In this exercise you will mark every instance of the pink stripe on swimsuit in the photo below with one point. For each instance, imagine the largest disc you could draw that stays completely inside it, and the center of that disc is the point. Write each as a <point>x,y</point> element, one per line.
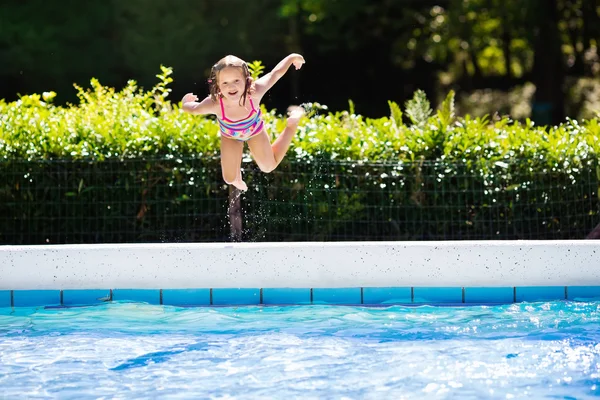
<point>243,129</point>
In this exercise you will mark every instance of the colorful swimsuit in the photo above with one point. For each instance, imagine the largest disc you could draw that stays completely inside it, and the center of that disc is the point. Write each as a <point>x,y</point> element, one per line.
<point>242,129</point>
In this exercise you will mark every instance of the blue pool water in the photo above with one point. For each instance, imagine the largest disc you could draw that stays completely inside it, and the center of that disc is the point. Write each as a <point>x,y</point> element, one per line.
<point>129,350</point>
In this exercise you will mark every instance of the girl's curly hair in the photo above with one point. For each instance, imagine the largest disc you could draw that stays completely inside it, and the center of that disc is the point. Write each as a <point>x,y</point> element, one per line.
<point>233,62</point>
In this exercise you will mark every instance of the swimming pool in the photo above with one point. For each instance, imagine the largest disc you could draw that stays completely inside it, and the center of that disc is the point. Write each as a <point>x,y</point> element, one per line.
<point>362,320</point>
<point>133,350</point>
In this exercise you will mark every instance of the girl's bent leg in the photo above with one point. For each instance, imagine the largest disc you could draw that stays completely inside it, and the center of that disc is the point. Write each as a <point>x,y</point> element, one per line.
<point>282,143</point>
<point>269,156</point>
<point>231,162</point>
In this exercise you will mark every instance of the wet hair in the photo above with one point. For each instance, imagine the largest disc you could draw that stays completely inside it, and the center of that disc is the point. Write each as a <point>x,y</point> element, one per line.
<point>230,62</point>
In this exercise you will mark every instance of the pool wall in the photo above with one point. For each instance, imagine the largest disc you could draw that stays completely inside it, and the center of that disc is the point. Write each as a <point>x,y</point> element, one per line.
<point>368,273</point>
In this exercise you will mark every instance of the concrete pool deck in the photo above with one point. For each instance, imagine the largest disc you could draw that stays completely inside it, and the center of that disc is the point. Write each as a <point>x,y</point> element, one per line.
<point>404,270</point>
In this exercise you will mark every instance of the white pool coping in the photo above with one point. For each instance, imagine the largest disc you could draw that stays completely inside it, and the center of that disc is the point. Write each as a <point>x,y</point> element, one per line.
<point>301,265</point>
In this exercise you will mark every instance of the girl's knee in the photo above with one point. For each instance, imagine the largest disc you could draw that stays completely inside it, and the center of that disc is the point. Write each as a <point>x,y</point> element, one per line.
<point>266,168</point>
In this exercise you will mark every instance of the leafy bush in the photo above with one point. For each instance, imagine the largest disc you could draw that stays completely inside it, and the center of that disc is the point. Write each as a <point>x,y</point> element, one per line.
<point>133,123</point>
<point>130,165</point>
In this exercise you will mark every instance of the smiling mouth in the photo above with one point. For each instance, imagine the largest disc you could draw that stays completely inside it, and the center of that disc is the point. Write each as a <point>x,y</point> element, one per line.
<point>232,93</point>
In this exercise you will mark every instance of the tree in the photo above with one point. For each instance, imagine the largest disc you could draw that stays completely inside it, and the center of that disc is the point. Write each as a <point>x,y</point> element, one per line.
<point>548,66</point>
<point>43,48</point>
<point>501,43</point>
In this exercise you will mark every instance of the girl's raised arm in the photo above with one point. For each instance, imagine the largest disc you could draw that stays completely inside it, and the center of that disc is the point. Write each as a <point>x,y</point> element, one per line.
<point>266,82</point>
<point>190,105</point>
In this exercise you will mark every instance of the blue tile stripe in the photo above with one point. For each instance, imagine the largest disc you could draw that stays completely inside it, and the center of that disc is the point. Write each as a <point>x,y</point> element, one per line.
<point>491,295</point>
<point>36,298</point>
<point>540,293</point>
<point>337,296</point>
<point>438,295</point>
<point>5,298</point>
<point>186,297</point>
<point>389,295</point>
<point>233,296</point>
<point>85,296</point>
<point>301,296</point>
<point>150,296</point>
<point>583,293</point>
<point>283,296</point>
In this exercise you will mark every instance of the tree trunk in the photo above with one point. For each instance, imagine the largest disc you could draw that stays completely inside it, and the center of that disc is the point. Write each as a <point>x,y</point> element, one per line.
<point>506,38</point>
<point>570,13</point>
<point>548,69</point>
<point>590,22</point>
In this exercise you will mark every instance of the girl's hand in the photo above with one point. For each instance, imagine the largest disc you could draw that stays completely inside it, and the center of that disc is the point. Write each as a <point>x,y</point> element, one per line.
<point>297,60</point>
<point>189,98</point>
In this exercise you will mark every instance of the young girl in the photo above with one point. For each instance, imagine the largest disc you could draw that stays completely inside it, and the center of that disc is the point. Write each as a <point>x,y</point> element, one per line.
<point>235,100</point>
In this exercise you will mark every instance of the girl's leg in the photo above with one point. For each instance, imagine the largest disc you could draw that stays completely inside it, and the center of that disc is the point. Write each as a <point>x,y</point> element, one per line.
<point>269,156</point>
<point>231,162</point>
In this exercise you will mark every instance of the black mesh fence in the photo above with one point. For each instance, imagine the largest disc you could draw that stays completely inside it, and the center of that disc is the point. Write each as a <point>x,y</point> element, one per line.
<point>111,202</point>
<point>185,200</point>
<point>418,201</point>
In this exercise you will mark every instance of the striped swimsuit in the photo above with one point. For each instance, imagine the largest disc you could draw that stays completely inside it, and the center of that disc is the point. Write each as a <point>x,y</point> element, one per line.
<point>242,129</point>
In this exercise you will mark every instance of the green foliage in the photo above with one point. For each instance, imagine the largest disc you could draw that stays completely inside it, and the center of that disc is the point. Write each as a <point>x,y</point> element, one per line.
<point>395,114</point>
<point>112,201</point>
<point>119,39</point>
<point>256,69</point>
<point>106,123</point>
<point>351,108</point>
<point>50,53</point>
<point>446,112</point>
<point>133,123</point>
<point>495,37</point>
<point>158,161</point>
<point>114,40</point>
<point>418,109</point>
<point>184,199</point>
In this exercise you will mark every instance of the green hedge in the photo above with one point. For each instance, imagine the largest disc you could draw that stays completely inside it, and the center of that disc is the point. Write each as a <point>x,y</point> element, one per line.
<point>133,123</point>
<point>129,165</point>
<point>137,200</point>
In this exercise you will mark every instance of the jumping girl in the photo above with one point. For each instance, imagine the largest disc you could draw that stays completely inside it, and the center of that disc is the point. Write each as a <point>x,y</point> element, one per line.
<point>235,100</point>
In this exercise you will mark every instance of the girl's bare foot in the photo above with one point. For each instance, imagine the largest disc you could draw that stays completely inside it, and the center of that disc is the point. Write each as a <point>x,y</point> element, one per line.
<point>294,115</point>
<point>241,185</point>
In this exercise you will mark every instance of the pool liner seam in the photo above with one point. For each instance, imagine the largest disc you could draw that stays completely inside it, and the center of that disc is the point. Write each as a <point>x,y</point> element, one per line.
<point>12,298</point>
<point>566,293</point>
<point>412,294</point>
<point>362,299</point>
<point>311,295</point>
<point>463,293</point>
<point>61,298</point>
<point>211,297</point>
<point>514,294</point>
<point>261,296</point>
<point>160,297</point>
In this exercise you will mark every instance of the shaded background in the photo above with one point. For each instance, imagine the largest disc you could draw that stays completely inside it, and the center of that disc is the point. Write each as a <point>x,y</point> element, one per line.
<point>525,58</point>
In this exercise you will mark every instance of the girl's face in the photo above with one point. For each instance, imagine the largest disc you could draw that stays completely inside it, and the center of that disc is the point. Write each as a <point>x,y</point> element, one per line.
<point>231,83</point>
